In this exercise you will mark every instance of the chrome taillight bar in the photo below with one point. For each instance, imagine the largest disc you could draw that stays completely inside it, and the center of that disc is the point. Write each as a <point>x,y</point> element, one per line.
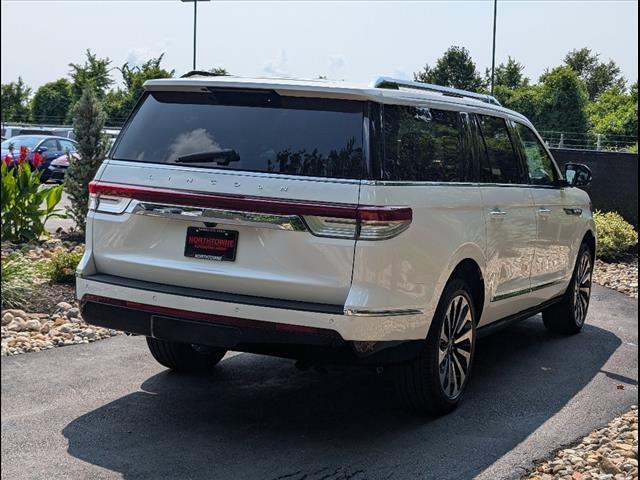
<point>324,219</point>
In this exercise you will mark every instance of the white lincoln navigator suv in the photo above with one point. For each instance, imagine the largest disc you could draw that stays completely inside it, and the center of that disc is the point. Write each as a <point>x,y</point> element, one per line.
<point>388,225</point>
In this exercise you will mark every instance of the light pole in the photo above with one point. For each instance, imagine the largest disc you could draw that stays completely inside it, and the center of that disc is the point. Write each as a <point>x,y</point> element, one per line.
<point>195,23</point>
<point>493,52</point>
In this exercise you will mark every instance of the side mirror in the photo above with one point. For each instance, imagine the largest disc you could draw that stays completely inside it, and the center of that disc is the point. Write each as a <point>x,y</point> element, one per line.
<point>42,149</point>
<point>577,175</point>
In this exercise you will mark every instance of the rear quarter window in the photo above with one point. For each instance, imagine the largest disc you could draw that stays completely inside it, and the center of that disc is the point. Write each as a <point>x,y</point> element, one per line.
<point>423,144</point>
<point>500,157</point>
<point>252,131</point>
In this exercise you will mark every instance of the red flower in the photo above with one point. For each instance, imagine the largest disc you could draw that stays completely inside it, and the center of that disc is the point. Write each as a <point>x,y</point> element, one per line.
<point>24,151</point>
<point>7,159</point>
<point>36,161</point>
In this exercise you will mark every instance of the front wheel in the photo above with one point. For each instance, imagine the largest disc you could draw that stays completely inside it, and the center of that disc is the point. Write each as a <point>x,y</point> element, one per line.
<point>434,382</point>
<point>568,315</point>
<point>184,357</point>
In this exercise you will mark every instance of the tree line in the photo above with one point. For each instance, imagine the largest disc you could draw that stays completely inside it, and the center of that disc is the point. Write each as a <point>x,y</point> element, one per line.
<point>53,102</point>
<point>584,95</point>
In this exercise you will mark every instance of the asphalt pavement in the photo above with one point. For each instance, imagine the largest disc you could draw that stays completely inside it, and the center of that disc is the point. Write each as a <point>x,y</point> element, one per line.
<point>107,410</point>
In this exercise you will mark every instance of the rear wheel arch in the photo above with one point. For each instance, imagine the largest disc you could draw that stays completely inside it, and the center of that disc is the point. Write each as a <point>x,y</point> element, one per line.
<point>469,271</point>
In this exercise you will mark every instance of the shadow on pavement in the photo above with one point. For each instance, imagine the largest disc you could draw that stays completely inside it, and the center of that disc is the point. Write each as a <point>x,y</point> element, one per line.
<point>259,417</point>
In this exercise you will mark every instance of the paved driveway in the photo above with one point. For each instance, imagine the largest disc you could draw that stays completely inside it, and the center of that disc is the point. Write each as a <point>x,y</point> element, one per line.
<point>65,223</point>
<point>106,410</point>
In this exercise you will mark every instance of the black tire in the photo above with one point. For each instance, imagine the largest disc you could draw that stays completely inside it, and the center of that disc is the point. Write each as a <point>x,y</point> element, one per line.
<point>419,383</point>
<point>567,316</point>
<point>184,357</point>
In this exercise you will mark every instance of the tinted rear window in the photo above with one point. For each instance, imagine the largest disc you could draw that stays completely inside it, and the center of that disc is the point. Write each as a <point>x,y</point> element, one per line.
<point>260,132</point>
<point>503,163</point>
<point>423,144</point>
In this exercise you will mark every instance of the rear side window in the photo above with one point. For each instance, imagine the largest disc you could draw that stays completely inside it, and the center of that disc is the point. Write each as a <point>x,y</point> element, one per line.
<point>256,131</point>
<point>67,145</point>
<point>539,165</point>
<point>423,144</point>
<point>51,144</point>
<point>501,159</point>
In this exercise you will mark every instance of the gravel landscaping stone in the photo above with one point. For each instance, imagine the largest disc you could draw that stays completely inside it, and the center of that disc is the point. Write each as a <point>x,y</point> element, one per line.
<point>621,275</point>
<point>610,453</point>
<point>34,332</point>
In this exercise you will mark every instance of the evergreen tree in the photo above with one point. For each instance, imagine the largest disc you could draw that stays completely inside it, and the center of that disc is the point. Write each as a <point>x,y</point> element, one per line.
<point>88,122</point>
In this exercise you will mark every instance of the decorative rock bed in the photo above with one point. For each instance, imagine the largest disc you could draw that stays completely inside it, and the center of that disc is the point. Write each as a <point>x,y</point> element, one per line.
<point>610,453</point>
<point>32,332</point>
<point>621,275</point>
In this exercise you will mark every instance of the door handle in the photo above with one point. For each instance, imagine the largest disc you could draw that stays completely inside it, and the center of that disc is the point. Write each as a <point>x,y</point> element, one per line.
<point>544,211</point>
<point>497,213</point>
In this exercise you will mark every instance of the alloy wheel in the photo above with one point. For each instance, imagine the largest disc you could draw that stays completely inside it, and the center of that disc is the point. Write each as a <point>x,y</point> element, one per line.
<point>582,290</point>
<point>455,346</point>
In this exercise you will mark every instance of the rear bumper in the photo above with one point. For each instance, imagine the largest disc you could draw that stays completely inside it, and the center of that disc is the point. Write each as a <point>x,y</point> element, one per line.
<point>103,297</point>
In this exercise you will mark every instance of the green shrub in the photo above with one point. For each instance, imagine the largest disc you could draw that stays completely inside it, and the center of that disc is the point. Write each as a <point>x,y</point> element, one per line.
<point>61,267</point>
<point>615,235</point>
<point>26,204</point>
<point>19,281</point>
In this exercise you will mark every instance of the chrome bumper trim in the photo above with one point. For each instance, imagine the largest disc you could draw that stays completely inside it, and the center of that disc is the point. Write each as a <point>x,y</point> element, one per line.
<point>225,217</point>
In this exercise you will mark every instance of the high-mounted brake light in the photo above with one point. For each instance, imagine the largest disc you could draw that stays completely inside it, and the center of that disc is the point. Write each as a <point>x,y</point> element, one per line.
<point>323,219</point>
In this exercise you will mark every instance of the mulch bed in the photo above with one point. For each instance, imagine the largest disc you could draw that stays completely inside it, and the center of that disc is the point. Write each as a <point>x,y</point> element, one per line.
<point>48,296</point>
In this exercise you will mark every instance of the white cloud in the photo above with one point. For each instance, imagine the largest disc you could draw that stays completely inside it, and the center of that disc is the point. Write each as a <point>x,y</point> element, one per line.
<point>139,55</point>
<point>277,67</point>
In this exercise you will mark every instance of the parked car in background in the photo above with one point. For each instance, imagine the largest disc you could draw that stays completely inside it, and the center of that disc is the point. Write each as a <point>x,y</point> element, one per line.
<point>48,147</point>
<point>58,167</point>
<point>388,225</point>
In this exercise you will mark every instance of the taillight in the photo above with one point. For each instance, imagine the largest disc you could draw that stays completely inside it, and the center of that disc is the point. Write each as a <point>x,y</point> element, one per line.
<point>99,202</point>
<point>380,223</point>
<point>370,223</point>
<point>323,219</point>
<point>62,161</point>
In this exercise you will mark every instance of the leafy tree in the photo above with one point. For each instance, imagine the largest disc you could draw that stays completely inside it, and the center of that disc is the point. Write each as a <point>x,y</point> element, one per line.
<point>219,71</point>
<point>119,103</point>
<point>557,103</point>
<point>94,74</point>
<point>88,122</point>
<point>563,101</point>
<point>526,100</point>
<point>14,101</point>
<point>615,113</point>
<point>51,102</point>
<point>597,76</point>
<point>581,61</point>
<point>134,77</point>
<point>603,77</point>
<point>509,75</point>
<point>454,69</point>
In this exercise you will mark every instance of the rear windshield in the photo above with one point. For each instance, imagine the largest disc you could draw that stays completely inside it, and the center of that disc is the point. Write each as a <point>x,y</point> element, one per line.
<point>252,131</point>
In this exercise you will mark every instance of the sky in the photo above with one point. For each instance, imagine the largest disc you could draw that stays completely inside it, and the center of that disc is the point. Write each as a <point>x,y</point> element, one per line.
<point>349,40</point>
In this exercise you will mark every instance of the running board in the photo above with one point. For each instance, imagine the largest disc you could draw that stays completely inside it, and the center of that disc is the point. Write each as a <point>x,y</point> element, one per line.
<point>507,321</point>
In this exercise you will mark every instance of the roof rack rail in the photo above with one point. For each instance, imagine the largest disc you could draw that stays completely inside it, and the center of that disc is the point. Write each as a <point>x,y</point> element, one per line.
<point>388,82</point>
<point>199,73</point>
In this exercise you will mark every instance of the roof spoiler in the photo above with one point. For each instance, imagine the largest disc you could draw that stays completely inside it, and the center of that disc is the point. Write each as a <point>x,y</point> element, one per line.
<point>393,83</point>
